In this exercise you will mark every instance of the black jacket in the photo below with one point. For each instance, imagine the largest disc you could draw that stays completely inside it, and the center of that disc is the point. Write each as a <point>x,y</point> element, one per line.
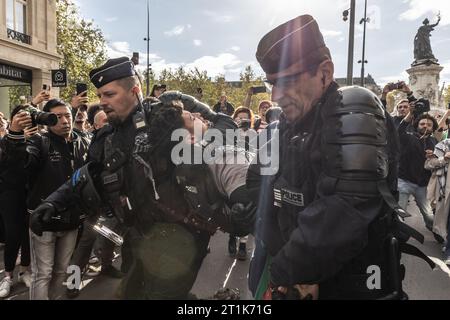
<point>12,177</point>
<point>48,160</point>
<point>413,158</point>
<point>329,238</point>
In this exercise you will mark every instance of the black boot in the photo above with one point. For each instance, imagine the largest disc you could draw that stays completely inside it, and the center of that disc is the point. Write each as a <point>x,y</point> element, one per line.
<point>111,272</point>
<point>232,246</point>
<point>242,253</point>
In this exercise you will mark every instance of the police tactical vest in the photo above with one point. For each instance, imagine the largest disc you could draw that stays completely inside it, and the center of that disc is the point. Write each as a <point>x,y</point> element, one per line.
<point>342,144</point>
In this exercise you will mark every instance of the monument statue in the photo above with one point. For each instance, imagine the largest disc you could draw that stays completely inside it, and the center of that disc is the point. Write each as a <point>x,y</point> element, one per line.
<point>423,54</point>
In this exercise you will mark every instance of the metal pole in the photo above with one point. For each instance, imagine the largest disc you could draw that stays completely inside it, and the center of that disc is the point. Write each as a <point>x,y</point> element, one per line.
<point>351,43</point>
<point>148,47</point>
<point>363,61</point>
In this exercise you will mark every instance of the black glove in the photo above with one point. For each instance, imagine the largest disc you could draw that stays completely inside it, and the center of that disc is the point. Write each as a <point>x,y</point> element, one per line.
<point>190,104</point>
<point>243,219</point>
<point>41,217</point>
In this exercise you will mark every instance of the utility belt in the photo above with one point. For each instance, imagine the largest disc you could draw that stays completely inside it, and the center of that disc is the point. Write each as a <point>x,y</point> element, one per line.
<point>192,220</point>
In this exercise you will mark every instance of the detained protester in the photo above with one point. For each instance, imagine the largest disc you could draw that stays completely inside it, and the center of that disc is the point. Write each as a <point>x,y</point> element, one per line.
<point>330,214</point>
<point>221,184</point>
<point>215,188</point>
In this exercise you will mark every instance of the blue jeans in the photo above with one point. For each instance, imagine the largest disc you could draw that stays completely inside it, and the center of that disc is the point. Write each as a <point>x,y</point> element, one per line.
<point>406,189</point>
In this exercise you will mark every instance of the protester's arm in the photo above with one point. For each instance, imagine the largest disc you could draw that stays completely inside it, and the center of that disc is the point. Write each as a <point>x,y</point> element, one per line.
<point>386,91</point>
<point>79,100</point>
<point>41,97</point>
<point>231,180</point>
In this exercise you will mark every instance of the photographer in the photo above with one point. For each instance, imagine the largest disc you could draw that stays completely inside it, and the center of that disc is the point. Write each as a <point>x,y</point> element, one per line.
<point>417,146</point>
<point>223,106</point>
<point>49,160</point>
<point>229,176</point>
<point>390,87</point>
<point>13,214</point>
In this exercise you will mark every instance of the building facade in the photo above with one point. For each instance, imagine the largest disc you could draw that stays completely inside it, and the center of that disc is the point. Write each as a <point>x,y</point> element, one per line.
<point>27,49</point>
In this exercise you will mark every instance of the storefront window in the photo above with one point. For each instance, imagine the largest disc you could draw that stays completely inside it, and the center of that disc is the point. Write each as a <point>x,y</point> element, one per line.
<point>15,87</point>
<point>16,15</point>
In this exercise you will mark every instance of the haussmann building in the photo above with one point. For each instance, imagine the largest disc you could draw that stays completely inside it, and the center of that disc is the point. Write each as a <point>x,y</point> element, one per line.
<point>27,49</point>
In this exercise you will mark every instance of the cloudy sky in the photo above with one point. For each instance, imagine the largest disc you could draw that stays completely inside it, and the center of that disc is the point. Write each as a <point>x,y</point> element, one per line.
<point>221,36</point>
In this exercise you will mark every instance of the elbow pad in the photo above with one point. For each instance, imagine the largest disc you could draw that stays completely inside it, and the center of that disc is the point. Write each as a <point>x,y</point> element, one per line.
<point>354,143</point>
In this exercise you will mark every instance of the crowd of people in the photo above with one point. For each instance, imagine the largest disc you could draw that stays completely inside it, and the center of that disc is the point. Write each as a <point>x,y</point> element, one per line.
<point>326,213</point>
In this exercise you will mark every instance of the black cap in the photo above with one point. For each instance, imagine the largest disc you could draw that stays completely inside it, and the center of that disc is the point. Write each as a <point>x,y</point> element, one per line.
<point>53,103</point>
<point>113,69</point>
<point>293,47</point>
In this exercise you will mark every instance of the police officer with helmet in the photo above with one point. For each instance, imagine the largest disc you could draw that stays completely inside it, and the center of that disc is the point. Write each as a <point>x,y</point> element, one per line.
<point>331,213</point>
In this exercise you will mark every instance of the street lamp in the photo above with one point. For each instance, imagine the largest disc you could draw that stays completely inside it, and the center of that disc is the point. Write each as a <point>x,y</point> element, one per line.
<point>363,61</point>
<point>148,47</point>
<point>351,40</point>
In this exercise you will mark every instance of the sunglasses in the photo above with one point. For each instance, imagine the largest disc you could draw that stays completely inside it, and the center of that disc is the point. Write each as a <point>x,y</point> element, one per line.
<point>282,82</point>
<point>285,81</point>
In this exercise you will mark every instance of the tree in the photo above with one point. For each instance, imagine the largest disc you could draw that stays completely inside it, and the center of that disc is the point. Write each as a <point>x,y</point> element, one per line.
<point>81,45</point>
<point>189,81</point>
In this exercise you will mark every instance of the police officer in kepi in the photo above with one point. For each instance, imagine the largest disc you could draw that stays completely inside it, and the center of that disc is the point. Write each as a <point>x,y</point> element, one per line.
<point>163,247</point>
<point>330,228</point>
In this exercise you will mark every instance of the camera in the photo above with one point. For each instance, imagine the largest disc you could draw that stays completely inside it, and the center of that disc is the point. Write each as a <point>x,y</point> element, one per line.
<point>396,86</point>
<point>39,117</point>
<point>421,106</point>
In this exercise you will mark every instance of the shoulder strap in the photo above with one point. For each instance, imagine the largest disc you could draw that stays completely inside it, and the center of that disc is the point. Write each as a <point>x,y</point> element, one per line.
<point>45,144</point>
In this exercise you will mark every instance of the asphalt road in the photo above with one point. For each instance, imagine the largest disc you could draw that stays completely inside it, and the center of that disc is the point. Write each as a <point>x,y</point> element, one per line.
<point>219,270</point>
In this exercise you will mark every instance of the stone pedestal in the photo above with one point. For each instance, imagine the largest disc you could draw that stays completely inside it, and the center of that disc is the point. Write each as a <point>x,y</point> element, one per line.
<point>424,81</point>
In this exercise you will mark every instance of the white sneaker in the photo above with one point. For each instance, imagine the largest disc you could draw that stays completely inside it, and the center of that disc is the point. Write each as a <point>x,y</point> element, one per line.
<point>447,261</point>
<point>94,260</point>
<point>5,287</point>
<point>25,278</point>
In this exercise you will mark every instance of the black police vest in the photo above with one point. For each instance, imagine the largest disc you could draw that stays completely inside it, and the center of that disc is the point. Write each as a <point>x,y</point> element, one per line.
<point>306,159</point>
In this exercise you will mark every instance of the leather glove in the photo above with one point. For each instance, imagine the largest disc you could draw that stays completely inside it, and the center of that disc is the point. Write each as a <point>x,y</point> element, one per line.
<point>190,104</point>
<point>41,217</point>
<point>243,218</point>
